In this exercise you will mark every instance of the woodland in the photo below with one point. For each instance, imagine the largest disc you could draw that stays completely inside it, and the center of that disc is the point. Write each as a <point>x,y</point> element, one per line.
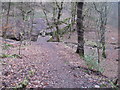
<point>59,45</point>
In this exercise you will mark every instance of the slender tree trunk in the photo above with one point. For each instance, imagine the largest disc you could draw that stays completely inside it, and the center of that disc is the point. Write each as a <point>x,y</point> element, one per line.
<point>73,16</point>
<point>103,42</point>
<point>80,30</point>
<point>6,25</point>
<point>103,19</point>
<point>32,20</point>
<point>60,7</point>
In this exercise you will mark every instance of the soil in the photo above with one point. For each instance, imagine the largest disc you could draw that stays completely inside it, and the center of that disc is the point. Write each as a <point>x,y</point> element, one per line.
<point>56,65</point>
<point>48,65</point>
<point>110,64</point>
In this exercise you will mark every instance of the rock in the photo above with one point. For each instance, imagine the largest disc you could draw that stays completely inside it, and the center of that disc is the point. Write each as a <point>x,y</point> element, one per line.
<point>97,86</point>
<point>112,38</point>
<point>34,37</point>
<point>17,26</point>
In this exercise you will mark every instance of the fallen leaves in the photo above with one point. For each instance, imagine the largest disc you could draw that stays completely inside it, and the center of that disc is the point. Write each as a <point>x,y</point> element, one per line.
<point>45,65</point>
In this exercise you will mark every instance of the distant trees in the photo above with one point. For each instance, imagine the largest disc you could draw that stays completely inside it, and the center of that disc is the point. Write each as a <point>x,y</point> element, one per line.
<point>73,12</point>
<point>17,22</point>
<point>5,27</point>
<point>25,12</point>
<point>80,30</point>
<point>46,16</point>
<point>20,17</point>
<point>102,10</point>
<point>73,18</point>
<point>57,19</point>
<point>56,8</point>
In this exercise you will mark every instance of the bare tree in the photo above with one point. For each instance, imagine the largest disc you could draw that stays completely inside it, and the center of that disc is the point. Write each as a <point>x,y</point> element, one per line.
<point>102,10</point>
<point>57,19</point>
<point>54,23</point>
<point>73,17</point>
<point>7,21</point>
<point>43,6</point>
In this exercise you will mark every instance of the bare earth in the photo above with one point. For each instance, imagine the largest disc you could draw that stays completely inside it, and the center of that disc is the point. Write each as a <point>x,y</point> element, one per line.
<point>110,64</point>
<point>48,65</point>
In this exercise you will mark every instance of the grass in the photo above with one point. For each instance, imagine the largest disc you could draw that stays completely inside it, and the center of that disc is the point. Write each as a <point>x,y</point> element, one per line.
<point>6,46</point>
<point>10,56</point>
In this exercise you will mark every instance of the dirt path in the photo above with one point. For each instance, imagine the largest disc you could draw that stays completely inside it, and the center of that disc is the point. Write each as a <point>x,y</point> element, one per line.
<point>48,65</point>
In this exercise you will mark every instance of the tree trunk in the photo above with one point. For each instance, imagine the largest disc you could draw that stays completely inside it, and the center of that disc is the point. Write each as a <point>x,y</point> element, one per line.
<point>103,42</point>
<point>102,31</point>
<point>60,7</point>
<point>80,30</point>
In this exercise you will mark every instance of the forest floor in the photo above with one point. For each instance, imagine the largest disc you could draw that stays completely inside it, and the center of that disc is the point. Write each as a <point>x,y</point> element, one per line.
<point>56,65</point>
<point>48,65</point>
<point>110,64</point>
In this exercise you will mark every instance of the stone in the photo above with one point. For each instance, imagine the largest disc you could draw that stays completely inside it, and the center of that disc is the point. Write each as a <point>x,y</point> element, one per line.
<point>97,86</point>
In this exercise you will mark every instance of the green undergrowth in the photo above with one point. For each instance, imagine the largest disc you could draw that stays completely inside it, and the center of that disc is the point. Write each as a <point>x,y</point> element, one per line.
<point>22,85</point>
<point>10,56</point>
<point>6,46</point>
<point>92,63</point>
